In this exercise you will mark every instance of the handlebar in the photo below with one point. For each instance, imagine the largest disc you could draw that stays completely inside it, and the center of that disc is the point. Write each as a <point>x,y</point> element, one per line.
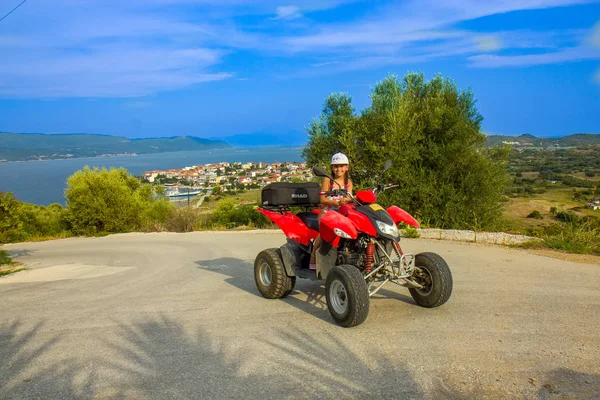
<point>344,192</point>
<point>383,187</point>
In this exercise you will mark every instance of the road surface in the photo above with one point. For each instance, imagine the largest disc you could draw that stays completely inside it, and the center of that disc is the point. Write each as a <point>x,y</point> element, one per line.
<point>178,316</point>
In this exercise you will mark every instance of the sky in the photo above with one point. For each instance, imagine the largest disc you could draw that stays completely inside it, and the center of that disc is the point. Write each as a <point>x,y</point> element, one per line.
<point>215,68</point>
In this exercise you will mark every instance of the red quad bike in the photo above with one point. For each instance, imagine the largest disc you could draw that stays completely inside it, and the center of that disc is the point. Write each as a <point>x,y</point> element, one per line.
<point>360,250</point>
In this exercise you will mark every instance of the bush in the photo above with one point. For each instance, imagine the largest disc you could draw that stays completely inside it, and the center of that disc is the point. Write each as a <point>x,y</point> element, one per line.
<point>229,215</point>
<point>535,214</point>
<point>579,236</point>
<point>576,238</point>
<point>182,219</point>
<point>410,232</point>
<point>566,216</point>
<point>101,200</point>
<point>5,259</point>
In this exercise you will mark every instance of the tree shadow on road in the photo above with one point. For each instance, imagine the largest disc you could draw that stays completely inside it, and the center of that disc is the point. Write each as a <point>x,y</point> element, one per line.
<point>158,358</point>
<point>240,274</point>
<point>559,384</point>
<point>23,373</point>
<point>564,383</point>
<point>18,253</point>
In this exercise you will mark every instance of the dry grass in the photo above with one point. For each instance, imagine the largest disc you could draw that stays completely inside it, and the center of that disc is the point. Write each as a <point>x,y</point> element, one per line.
<point>10,268</point>
<point>517,209</point>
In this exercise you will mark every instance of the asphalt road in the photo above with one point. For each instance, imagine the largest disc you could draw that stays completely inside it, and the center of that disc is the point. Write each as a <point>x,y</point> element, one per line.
<point>178,316</point>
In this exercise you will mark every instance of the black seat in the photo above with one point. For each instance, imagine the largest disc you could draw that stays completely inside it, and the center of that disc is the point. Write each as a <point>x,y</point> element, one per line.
<point>310,219</point>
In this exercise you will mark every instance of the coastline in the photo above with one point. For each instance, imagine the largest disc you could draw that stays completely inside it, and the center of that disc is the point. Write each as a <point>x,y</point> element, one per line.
<point>245,149</point>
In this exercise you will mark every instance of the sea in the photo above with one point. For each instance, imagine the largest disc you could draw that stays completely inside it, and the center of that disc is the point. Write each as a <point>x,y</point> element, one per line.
<point>44,182</point>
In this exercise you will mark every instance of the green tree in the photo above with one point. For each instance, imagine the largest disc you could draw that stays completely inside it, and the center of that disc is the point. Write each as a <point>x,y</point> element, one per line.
<point>101,200</point>
<point>325,133</point>
<point>10,222</point>
<point>431,131</point>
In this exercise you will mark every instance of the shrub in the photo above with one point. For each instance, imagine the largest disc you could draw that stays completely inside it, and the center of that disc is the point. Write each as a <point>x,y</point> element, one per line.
<point>182,219</point>
<point>410,232</point>
<point>5,259</point>
<point>535,214</point>
<point>101,200</point>
<point>566,216</point>
<point>230,215</point>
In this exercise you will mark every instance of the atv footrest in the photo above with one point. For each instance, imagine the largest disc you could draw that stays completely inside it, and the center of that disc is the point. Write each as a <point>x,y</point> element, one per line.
<point>305,273</point>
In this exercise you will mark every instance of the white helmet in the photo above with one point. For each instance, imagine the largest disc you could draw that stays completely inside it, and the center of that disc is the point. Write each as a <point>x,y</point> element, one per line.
<point>339,158</point>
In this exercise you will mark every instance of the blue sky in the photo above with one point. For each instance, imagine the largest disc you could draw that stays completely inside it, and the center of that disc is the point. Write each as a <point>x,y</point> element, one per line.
<point>213,68</point>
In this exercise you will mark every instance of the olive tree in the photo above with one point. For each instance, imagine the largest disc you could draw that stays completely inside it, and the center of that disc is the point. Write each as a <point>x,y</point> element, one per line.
<point>431,130</point>
<point>111,200</point>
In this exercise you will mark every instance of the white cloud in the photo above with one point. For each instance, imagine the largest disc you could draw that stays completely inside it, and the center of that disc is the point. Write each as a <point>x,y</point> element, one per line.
<point>488,42</point>
<point>288,12</point>
<point>106,71</point>
<point>99,48</point>
<point>324,64</point>
<point>95,51</point>
<point>558,57</point>
<point>411,21</point>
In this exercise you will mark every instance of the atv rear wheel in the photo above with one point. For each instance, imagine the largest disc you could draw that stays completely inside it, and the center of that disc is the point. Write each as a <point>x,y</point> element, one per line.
<point>270,277</point>
<point>436,278</point>
<point>347,295</point>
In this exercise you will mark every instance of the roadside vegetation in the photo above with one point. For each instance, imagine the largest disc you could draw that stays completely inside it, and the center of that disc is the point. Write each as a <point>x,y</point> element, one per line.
<point>449,178</point>
<point>7,265</point>
<point>552,195</point>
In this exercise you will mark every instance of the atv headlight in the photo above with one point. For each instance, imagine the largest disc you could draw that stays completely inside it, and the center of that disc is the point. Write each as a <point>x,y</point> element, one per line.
<point>341,233</point>
<point>391,230</point>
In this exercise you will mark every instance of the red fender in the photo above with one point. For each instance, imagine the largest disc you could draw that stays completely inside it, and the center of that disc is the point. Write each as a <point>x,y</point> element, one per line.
<point>366,196</point>
<point>291,225</point>
<point>362,222</point>
<point>399,215</point>
<point>332,220</point>
<point>345,208</point>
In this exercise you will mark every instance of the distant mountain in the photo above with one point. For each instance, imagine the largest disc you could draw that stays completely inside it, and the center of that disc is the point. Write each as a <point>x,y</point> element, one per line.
<point>40,146</point>
<point>577,140</point>
<point>267,139</point>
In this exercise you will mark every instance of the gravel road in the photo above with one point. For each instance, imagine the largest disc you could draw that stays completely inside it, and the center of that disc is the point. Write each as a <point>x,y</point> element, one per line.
<point>178,316</point>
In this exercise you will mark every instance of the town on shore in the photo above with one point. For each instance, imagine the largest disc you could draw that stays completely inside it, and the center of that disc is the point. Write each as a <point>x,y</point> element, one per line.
<point>233,176</point>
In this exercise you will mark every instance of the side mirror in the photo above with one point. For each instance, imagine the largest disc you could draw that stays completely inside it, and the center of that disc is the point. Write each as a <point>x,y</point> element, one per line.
<point>387,165</point>
<point>319,171</point>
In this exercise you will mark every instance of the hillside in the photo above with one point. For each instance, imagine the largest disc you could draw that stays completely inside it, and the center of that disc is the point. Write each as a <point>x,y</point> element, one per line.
<point>39,146</point>
<point>577,140</point>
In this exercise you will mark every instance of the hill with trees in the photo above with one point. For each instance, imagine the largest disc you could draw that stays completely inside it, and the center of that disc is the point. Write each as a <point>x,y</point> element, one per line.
<point>40,146</point>
<point>577,140</point>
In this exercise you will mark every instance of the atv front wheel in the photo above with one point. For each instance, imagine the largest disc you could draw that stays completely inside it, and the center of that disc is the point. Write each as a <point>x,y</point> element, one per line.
<point>347,295</point>
<point>270,277</point>
<point>435,276</point>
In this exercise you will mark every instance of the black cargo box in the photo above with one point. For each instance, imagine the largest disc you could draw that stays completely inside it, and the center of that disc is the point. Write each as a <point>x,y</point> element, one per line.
<point>290,194</point>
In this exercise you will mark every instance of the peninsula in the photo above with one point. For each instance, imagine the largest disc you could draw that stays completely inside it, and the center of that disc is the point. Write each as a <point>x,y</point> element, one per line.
<point>40,146</point>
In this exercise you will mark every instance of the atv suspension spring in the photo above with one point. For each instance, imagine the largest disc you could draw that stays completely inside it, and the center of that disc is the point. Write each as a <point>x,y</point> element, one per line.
<point>398,249</point>
<point>370,257</point>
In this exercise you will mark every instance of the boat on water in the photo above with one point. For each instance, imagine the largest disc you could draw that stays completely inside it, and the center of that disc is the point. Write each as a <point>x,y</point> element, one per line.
<point>176,192</point>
